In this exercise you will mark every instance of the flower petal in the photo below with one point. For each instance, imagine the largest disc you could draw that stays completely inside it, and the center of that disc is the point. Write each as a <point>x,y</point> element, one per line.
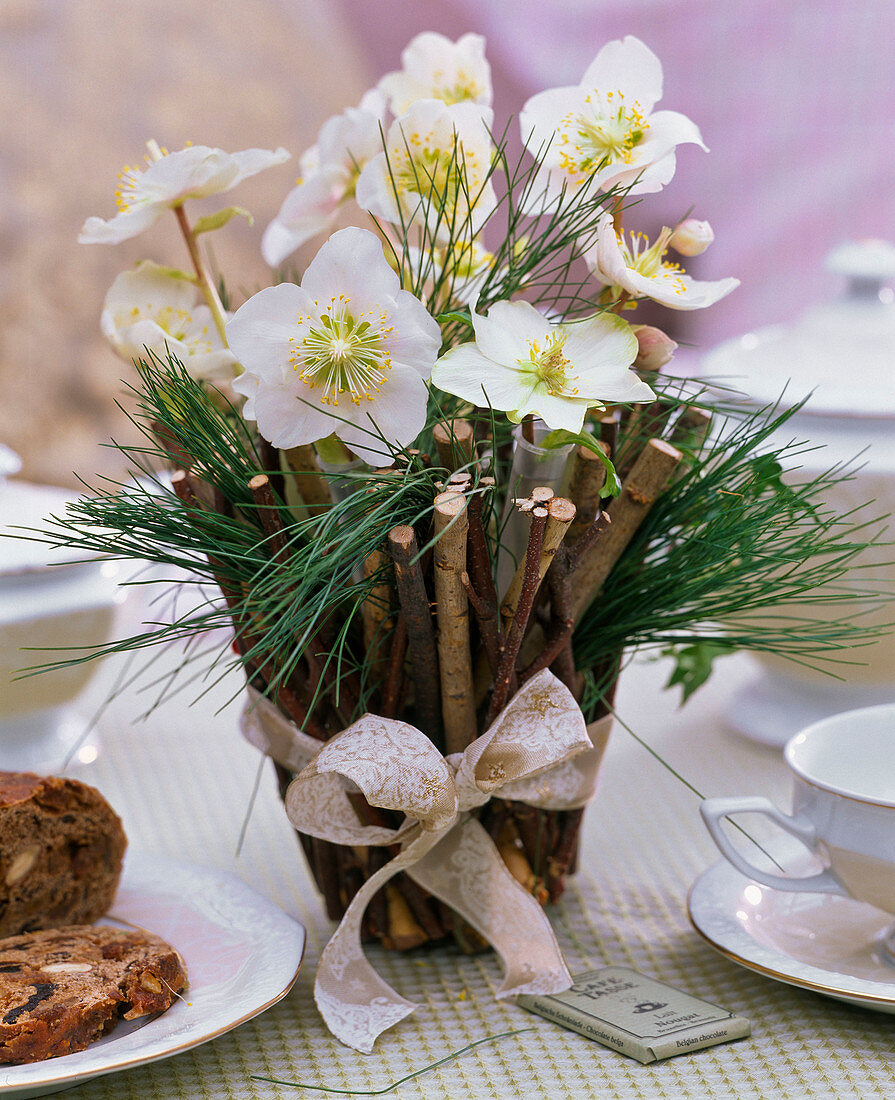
<point>250,162</point>
<point>145,288</point>
<point>434,67</point>
<point>539,120</point>
<point>679,291</point>
<point>556,412</point>
<point>260,330</point>
<point>308,209</point>
<point>399,414</point>
<point>465,372</point>
<point>504,334</point>
<point>122,227</point>
<point>601,339</point>
<point>351,260</point>
<point>285,418</point>
<point>628,66</point>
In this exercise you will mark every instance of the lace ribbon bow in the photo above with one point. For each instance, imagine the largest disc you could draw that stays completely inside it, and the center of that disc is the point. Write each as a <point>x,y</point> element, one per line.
<point>538,751</point>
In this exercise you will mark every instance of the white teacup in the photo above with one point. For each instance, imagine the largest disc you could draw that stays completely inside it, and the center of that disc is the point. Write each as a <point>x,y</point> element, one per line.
<point>843,807</point>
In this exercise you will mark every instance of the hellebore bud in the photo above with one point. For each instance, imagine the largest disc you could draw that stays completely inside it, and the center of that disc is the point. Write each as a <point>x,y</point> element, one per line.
<point>655,349</point>
<point>691,237</point>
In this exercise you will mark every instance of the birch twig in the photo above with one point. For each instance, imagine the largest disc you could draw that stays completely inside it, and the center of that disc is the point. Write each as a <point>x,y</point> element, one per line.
<point>587,481</point>
<point>376,612</point>
<point>517,625</point>
<point>559,515</point>
<point>454,654</point>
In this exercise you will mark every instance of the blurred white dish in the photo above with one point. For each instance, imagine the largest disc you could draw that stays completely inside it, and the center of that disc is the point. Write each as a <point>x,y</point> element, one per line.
<point>831,945</point>
<point>51,599</point>
<point>839,352</point>
<point>242,955</point>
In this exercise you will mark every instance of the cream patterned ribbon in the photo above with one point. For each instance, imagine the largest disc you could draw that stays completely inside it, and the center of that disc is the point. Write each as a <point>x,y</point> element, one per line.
<point>538,751</point>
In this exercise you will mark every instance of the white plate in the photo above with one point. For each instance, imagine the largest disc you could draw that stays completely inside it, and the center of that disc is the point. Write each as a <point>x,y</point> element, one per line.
<point>822,942</point>
<point>242,955</point>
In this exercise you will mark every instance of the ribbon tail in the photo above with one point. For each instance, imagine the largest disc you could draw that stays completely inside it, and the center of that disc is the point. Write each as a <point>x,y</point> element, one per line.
<point>465,870</point>
<point>356,1003</point>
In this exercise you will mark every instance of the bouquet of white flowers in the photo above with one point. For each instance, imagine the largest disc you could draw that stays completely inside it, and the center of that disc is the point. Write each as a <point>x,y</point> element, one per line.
<point>437,485</point>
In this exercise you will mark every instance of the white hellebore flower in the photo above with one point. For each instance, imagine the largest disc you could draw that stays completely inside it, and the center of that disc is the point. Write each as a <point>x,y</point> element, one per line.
<point>149,308</point>
<point>605,128</point>
<point>436,68</point>
<point>348,352</point>
<point>521,363</point>
<point>435,168</point>
<point>192,173</point>
<point>639,269</point>
<point>329,172</point>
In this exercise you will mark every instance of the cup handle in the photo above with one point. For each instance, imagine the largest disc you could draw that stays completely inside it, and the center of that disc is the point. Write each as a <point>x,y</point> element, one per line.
<point>713,810</point>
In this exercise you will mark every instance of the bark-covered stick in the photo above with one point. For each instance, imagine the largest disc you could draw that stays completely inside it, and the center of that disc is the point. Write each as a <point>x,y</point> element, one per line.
<point>270,459</point>
<point>692,426</point>
<point>269,513</point>
<point>517,625</point>
<point>391,690</point>
<point>609,432</point>
<point>455,443</point>
<point>648,477</point>
<point>560,514</point>
<point>414,600</point>
<point>376,612</point>
<point>454,653</point>
<point>585,488</point>
<point>309,481</point>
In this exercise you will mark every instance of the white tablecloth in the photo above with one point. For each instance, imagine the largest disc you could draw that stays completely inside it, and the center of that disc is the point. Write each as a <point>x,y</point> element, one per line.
<point>182,781</point>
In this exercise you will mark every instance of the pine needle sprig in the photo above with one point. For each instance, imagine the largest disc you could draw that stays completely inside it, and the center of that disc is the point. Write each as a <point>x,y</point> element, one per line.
<point>730,553</point>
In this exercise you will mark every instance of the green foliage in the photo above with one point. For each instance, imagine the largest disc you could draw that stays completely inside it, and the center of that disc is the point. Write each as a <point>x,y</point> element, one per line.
<point>540,243</point>
<point>693,665</point>
<point>731,554</point>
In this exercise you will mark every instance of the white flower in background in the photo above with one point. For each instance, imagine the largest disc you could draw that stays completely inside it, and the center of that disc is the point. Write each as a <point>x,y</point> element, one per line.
<point>460,271</point>
<point>436,68</point>
<point>468,266</point>
<point>329,172</point>
<point>434,169</point>
<point>639,270</point>
<point>347,345</point>
<point>192,173</point>
<point>520,363</point>
<point>149,308</point>
<point>604,129</point>
<point>691,237</point>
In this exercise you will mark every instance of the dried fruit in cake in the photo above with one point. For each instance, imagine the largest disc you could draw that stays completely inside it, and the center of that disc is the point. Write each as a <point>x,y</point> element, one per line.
<point>63,988</point>
<point>61,850</point>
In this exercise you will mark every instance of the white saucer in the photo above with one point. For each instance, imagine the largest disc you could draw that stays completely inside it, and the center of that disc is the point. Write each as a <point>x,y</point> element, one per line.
<point>242,955</point>
<point>822,942</point>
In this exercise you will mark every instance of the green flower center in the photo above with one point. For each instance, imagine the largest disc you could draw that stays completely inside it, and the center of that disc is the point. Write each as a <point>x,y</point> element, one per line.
<point>649,259</point>
<point>445,177</point>
<point>342,354</point>
<point>464,87</point>
<point>551,368</point>
<point>606,132</point>
<point>175,322</point>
